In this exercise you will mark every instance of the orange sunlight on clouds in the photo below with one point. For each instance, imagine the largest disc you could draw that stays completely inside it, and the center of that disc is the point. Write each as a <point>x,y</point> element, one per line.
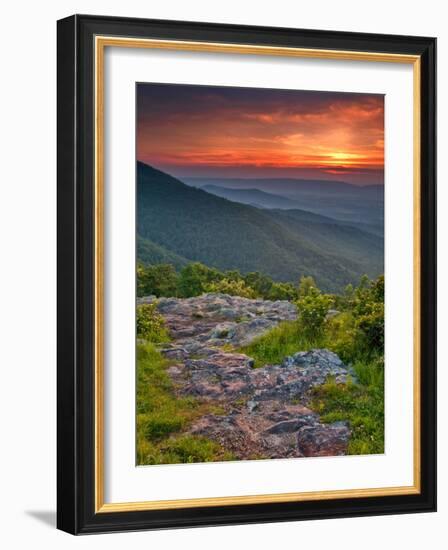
<point>195,129</point>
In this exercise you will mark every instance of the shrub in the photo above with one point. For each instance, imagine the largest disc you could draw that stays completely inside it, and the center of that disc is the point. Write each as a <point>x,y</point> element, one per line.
<point>150,324</point>
<point>371,325</point>
<point>307,286</point>
<point>158,280</point>
<point>341,336</point>
<point>282,291</point>
<point>368,310</point>
<point>313,308</point>
<point>232,287</point>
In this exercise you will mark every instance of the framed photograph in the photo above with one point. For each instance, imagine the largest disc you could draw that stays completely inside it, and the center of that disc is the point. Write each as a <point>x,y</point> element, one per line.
<point>246,274</point>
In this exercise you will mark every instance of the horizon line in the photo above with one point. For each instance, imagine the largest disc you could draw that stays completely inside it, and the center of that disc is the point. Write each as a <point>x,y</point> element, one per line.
<point>262,178</point>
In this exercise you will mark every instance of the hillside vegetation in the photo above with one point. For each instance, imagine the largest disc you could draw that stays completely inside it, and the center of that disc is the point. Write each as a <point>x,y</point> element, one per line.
<point>179,224</point>
<point>335,199</point>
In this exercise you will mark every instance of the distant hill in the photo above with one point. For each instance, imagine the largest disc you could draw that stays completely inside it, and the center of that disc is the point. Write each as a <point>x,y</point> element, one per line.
<point>261,199</point>
<point>335,199</point>
<point>254,197</point>
<point>190,224</point>
<point>152,253</point>
<point>336,238</point>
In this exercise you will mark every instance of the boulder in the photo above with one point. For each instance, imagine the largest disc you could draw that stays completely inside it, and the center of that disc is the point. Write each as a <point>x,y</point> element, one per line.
<point>323,439</point>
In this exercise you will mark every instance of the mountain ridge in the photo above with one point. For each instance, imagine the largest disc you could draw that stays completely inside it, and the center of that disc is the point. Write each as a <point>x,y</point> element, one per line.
<point>314,184</point>
<point>338,200</point>
<point>198,226</point>
<point>252,196</point>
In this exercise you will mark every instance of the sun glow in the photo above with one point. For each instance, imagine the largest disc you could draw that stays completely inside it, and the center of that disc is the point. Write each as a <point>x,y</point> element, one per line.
<point>202,130</point>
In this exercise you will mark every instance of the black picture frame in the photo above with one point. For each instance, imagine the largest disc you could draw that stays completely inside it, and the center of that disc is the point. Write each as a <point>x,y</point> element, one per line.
<point>76,263</point>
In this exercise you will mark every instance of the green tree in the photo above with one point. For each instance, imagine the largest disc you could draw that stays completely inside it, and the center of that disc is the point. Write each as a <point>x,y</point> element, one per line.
<point>193,278</point>
<point>232,275</point>
<point>377,289</point>
<point>262,284</point>
<point>141,271</point>
<point>158,280</point>
<point>282,291</point>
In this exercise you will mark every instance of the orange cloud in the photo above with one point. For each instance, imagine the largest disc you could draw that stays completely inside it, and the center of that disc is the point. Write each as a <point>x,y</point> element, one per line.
<point>342,135</point>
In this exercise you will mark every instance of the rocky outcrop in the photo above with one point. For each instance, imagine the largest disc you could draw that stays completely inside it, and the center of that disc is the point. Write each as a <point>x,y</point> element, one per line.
<point>220,376</point>
<point>266,430</point>
<point>265,410</point>
<point>323,440</point>
<point>219,319</point>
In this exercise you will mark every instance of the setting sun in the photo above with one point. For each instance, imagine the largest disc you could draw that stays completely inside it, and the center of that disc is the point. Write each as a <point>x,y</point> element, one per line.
<point>240,132</point>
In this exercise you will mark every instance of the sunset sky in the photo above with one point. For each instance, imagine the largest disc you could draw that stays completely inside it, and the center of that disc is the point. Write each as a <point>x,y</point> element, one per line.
<point>209,131</point>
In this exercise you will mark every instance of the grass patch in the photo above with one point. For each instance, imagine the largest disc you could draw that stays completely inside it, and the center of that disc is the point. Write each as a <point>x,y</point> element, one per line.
<point>150,324</point>
<point>284,339</point>
<point>289,337</point>
<point>362,405</point>
<point>161,416</point>
<point>183,449</point>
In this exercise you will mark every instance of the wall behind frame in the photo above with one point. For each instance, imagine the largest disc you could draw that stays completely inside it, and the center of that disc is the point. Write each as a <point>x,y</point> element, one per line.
<point>27,286</point>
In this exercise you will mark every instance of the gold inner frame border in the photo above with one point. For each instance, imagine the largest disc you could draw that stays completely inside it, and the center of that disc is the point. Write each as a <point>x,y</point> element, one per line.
<point>100,43</point>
